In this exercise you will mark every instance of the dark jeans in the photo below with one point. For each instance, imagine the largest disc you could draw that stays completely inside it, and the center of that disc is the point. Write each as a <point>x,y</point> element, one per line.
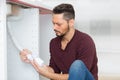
<point>78,71</point>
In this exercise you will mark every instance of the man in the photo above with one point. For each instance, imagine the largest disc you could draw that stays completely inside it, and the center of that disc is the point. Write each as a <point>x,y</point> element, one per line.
<point>73,53</point>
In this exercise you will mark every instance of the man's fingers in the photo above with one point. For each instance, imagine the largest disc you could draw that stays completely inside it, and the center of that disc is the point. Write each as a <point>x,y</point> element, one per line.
<point>23,56</point>
<point>35,66</point>
<point>23,53</point>
<point>27,51</point>
<point>36,63</point>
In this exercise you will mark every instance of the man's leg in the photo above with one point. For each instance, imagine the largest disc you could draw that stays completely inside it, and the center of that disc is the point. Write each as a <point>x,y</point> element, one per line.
<point>78,71</point>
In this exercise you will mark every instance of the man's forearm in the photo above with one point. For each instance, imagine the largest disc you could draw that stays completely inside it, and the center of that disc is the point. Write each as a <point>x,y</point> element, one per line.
<point>48,72</point>
<point>56,76</point>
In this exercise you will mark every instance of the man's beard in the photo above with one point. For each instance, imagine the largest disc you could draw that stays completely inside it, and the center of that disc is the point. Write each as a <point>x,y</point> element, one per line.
<point>62,35</point>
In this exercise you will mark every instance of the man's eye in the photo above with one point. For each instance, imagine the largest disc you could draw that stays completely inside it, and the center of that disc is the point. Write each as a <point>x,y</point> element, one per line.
<point>59,24</point>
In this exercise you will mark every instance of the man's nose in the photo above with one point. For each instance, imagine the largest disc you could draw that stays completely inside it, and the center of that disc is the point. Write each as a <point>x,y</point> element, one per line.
<point>55,27</point>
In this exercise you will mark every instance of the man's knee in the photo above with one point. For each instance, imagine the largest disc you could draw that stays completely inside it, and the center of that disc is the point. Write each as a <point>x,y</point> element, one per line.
<point>78,65</point>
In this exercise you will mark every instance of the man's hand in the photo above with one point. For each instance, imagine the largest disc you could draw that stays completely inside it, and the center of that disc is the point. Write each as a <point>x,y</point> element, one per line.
<point>43,70</point>
<point>23,55</point>
<point>48,72</point>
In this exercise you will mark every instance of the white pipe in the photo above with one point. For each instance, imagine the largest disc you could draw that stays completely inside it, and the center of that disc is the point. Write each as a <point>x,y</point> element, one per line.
<point>18,46</point>
<point>15,42</point>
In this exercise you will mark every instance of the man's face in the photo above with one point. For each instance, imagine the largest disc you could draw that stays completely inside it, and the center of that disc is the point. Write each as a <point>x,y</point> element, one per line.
<point>60,25</point>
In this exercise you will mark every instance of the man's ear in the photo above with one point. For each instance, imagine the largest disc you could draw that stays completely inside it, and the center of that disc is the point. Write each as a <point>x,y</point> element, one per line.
<point>71,22</point>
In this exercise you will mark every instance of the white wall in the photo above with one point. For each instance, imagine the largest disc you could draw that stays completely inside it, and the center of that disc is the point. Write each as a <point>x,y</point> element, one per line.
<point>23,31</point>
<point>101,19</point>
<point>3,65</point>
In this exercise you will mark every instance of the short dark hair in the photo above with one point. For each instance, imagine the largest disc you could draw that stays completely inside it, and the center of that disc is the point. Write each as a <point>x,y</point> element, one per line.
<point>66,9</point>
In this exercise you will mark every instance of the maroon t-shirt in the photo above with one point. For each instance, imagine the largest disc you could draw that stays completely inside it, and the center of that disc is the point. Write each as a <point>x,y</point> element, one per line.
<point>80,47</point>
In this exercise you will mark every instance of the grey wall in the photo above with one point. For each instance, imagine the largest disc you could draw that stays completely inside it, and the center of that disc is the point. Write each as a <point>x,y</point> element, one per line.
<point>46,34</point>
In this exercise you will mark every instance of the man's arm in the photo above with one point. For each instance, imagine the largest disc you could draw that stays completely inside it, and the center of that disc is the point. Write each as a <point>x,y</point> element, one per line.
<point>44,70</point>
<point>48,72</point>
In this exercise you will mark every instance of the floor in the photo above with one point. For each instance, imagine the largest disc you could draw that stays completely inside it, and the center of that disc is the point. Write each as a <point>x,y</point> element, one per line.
<point>109,78</point>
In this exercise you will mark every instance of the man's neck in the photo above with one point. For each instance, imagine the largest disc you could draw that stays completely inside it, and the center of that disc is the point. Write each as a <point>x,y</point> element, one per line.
<point>68,36</point>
